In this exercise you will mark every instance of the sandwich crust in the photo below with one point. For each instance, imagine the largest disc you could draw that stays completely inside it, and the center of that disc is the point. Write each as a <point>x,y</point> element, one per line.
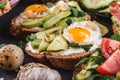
<point>67,62</point>
<point>19,31</point>
<point>37,57</point>
<point>76,71</point>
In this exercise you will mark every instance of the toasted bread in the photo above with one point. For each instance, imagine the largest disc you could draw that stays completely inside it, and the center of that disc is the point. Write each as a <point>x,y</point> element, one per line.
<point>18,31</point>
<point>67,62</point>
<point>37,56</point>
<point>76,71</point>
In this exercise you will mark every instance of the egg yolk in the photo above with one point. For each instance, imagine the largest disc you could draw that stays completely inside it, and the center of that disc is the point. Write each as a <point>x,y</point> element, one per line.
<point>35,8</point>
<point>78,34</point>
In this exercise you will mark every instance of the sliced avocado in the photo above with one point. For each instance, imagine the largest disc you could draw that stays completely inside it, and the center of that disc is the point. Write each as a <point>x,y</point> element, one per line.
<point>63,21</point>
<point>82,75</point>
<point>50,23</point>
<point>49,31</point>
<point>59,43</point>
<point>96,4</point>
<point>43,45</point>
<point>3,3</point>
<point>104,29</point>
<point>75,4</point>
<point>35,43</point>
<point>52,37</point>
<point>29,23</point>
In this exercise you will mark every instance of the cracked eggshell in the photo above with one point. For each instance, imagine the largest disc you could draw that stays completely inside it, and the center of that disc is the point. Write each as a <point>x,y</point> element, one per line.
<point>11,57</point>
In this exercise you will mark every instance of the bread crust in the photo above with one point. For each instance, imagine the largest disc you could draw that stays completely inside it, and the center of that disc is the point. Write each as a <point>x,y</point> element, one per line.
<point>37,57</point>
<point>19,31</point>
<point>76,71</point>
<point>66,62</point>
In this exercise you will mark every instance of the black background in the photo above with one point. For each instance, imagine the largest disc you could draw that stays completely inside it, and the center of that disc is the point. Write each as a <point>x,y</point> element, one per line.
<point>6,38</point>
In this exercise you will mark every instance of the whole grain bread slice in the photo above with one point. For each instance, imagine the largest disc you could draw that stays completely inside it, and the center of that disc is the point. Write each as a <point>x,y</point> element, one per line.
<point>76,71</point>
<point>37,56</point>
<point>66,62</point>
<point>18,31</point>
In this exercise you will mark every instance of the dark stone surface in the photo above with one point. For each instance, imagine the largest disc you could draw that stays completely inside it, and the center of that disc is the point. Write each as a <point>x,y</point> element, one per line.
<point>5,37</point>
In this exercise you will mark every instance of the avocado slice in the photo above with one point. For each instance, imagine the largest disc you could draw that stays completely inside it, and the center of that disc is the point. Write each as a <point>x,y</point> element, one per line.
<point>49,31</point>
<point>63,21</point>
<point>30,23</point>
<point>104,29</point>
<point>96,4</point>
<point>59,43</point>
<point>3,3</point>
<point>43,45</point>
<point>50,23</point>
<point>35,43</point>
<point>75,4</point>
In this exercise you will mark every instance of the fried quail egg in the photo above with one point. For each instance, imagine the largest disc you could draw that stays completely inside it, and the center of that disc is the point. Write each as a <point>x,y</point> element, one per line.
<point>83,33</point>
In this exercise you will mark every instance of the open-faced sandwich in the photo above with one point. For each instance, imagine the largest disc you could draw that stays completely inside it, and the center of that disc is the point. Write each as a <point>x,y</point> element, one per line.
<point>115,11</point>
<point>103,64</point>
<point>6,5</point>
<point>37,71</point>
<point>65,46</point>
<point>38,17</point>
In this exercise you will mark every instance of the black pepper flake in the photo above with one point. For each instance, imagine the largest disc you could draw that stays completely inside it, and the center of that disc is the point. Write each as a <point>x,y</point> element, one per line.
<point>6,57</point>
<point>10,65</point>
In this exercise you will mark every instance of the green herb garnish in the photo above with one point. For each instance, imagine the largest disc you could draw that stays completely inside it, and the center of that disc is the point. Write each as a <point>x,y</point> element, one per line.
<point>107,77</point>
<point>115,37</point>
<point>76,12</point>
<point>21,44</point>
<point>31,37</point>
<point>86,47</point>
<point>69,21</point>
<point>74,45</point>
<point>82,61</point>
<point>92,77</point>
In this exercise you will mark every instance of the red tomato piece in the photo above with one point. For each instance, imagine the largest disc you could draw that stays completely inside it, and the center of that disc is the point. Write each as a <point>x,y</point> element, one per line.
<point>108,47</point>
<point>115,9</point>
<point>111,65</point>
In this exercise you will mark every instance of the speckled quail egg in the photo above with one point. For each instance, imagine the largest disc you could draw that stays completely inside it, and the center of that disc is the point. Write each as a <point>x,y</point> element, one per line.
<point>11,57</point>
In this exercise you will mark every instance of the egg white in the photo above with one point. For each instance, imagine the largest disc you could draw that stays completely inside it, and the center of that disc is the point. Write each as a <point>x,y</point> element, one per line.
<point>94,39</point>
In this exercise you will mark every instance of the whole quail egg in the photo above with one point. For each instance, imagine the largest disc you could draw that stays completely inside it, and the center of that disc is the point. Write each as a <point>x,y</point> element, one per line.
<point>11,57</point>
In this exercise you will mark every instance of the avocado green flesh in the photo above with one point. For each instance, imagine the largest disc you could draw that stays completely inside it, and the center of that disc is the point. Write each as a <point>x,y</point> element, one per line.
<point>63,21</point>
<point>30,23</point>
<point>3,4</point>
<point>75,4</point>
<point>50,23</point>
<point>35,43</point>
<point>104,29</point>
<point>43,45</point>
<point>59,43</point>
<point>84,73</point>
<point>96,4</point>
<point>49,31</point>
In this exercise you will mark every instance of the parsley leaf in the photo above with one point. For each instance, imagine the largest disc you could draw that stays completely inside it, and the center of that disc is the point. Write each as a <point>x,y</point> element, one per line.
<point>69,21</point>
<point>21,44</point>
<point>84,60</point>
<point>115,37</point>
<point>49,4</point>
<point>31,37</point>
<point>76,12</point>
